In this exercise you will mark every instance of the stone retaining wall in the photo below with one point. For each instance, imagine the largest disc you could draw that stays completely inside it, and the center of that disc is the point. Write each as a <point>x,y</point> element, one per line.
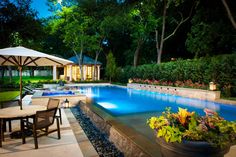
<point>185,92</point>
<point>121,141</point>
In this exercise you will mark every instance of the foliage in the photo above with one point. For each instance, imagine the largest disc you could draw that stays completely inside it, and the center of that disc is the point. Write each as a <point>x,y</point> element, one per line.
<point>206,36</point>
<point>176,127</point>
<point>142,23</point>
<point>17,17</point>
<point>15,39</point>
<point>111,68</point>
<point>36,82</point>
<point>196,72</point>
<point>96,81</point>
<point>200,39</point>
<point>187,83</point>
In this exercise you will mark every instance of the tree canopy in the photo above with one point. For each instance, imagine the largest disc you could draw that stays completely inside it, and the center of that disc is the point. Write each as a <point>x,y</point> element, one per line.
<point>137,32</point>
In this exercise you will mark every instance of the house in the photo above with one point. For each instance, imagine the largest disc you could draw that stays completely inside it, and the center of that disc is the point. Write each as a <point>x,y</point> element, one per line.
<point>72,71</point>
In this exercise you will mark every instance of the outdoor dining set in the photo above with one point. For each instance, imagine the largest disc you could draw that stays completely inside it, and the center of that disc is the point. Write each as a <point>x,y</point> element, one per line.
<point>37,119</point>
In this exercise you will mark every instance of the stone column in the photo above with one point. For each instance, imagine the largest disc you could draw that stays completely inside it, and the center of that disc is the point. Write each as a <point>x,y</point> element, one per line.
<point>75,73</point>
<point>70,72</point>
<point>98,69</point>
<point>54,73</point>
<point>65,72</point>
<point>85,72</point>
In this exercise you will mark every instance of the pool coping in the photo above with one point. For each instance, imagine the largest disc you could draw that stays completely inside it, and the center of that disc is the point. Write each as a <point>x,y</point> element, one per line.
<point>84,143</point>
<point>138,143</point>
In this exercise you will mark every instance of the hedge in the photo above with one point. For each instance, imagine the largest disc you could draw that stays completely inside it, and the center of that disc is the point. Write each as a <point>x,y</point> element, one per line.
<point>220,69</point>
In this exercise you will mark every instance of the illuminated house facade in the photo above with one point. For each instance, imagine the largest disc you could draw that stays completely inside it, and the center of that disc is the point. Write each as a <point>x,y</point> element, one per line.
<point>72,71</point>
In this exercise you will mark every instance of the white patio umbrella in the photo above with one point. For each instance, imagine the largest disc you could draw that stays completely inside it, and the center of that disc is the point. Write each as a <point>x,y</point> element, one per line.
<point>21,56</point>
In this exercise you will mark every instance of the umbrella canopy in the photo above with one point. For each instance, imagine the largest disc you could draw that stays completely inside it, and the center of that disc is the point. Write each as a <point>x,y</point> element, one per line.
<point>21,56</point>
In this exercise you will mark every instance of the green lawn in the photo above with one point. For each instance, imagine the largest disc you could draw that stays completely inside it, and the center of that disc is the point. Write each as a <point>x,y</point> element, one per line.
<point>9,95</point>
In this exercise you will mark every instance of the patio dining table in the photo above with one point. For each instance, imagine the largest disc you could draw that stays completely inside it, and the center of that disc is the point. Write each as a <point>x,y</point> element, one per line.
<point>16,113</point>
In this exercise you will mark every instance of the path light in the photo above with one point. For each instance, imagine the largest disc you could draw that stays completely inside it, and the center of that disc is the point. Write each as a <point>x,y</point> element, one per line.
<point>66,103</point>
<point>212,86</point>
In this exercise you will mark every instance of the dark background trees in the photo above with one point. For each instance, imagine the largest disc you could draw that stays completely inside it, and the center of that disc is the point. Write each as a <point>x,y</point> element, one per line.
<point>127,28</point>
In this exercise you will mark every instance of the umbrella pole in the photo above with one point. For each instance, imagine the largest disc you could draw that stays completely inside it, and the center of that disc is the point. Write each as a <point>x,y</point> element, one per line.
<point>20,70</point>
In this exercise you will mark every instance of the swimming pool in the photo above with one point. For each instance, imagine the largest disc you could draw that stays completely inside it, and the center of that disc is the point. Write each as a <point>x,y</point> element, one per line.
<point>58,93</point>
<point>124,101</point>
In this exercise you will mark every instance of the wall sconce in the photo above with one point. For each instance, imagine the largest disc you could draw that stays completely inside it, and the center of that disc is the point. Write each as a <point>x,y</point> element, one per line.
<point>212,86</point>
<point>66,103</point>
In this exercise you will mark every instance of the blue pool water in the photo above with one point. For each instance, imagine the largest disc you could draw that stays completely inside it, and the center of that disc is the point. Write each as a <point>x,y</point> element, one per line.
<point>58,93</point>
<point>124,101</point>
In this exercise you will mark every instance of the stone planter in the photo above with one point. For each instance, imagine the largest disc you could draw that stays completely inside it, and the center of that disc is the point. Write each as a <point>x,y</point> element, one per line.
<point>190,149</point>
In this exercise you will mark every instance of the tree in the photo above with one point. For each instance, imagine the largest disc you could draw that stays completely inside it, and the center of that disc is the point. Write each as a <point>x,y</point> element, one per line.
<point>206,36</point>
<point>18,16</point>
<point>143,22</point>
<point>160,42</point>
<point>230,16</point>
<point>95,46</point>
<point>75,25</point>
<point>111,66</point>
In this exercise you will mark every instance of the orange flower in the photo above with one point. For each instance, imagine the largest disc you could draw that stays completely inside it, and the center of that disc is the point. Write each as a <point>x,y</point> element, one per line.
<point>183,114</point>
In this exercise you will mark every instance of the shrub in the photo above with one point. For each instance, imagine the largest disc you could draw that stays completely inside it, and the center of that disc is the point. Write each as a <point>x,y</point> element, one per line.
<point>220,69</point>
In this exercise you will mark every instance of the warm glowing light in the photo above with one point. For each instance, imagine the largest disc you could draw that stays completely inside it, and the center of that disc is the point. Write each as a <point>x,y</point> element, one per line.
<point>59,1</point>
<point>107,105</point>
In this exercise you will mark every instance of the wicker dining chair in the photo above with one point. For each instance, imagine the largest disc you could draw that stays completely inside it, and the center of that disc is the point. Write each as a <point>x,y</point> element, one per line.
<point>52,103</point>
<point>41,121</point>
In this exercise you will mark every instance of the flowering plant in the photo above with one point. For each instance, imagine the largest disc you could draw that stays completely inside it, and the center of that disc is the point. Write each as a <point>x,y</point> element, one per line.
<point>187,83</point>
<point>184,125</point>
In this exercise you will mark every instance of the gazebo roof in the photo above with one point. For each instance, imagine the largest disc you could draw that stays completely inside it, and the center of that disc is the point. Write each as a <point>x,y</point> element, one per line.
<point>86,60</point>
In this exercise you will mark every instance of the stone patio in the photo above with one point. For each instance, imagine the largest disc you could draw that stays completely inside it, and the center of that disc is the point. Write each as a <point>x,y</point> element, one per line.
<point>73,142</point>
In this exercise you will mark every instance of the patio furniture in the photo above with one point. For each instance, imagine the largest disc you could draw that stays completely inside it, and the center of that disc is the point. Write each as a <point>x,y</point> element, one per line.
<point>29,90</point>
<point>41,121</point>
<point>16,113</point>
<point>52,103</point>
<point>9,103</point>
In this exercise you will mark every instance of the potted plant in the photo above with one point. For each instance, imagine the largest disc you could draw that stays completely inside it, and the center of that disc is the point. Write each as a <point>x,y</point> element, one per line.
<point>187,134</point>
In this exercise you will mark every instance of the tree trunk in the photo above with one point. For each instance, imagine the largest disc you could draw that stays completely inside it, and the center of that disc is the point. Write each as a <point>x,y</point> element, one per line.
<point>95,76</point>
<point>137,52</point>
<point>160,48</point>
<point>230,16</point>
<point>32,71</point>
<point>81,67</point>
<point>81,62</point>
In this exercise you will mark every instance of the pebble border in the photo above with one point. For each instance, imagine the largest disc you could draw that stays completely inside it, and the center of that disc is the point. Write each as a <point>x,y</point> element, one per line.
<point>99,140</point>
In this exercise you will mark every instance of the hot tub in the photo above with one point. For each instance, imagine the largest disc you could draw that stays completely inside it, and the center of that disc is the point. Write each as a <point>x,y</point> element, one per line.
<point>57,93</point>
<point>41,97</point>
